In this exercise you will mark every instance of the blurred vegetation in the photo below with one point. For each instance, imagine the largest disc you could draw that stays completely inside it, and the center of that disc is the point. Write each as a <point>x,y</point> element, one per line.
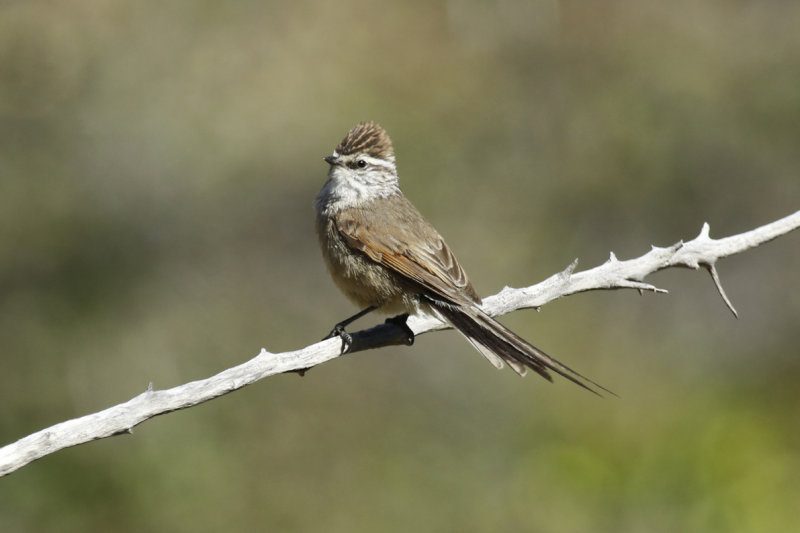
<point>157,167</point>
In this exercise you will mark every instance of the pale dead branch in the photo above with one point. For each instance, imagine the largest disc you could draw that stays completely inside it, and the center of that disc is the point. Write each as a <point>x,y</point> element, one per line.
<point>702,251</point>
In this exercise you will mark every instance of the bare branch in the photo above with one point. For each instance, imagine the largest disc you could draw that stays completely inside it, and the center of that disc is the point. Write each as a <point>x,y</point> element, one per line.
<point>703,251</point>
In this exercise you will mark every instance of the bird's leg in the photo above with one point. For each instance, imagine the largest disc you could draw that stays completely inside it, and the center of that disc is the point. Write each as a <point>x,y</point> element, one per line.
<point>400,322</point>
<point>347,339</point>
<point>338,329</point>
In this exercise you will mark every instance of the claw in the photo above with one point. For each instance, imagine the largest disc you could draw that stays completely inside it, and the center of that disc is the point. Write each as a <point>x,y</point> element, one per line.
<point>400,322</point>
<point>339,331</point>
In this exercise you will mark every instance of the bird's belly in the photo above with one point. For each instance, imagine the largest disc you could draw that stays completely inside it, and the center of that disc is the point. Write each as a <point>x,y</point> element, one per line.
<point>362,280</point>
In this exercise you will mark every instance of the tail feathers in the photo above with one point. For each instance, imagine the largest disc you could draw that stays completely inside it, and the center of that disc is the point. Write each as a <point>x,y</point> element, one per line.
<point>495,359</point>
<point>498,343</point>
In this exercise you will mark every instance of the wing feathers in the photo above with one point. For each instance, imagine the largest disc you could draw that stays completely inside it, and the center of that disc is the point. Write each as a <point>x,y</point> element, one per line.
<point>413,248</point>
<point>391,232</point>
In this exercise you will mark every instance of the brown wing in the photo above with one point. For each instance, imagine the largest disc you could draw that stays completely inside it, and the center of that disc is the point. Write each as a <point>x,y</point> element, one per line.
<point>391,231</point>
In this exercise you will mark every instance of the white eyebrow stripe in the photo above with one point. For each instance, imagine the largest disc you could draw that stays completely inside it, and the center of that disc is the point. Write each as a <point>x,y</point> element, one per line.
<point>377,162</point>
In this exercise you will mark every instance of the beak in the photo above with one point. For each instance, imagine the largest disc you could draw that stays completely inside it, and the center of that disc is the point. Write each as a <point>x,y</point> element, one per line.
<point>332,160</point>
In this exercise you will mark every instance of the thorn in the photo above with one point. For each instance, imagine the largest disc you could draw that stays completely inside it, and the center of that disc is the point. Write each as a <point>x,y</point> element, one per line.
<point>642,286</point>
<point>150,387</point>
<point>714,276</point>
<point>704,231</point>
<point>612,258</point>
<point>566,274</point>
<point>570,268</point>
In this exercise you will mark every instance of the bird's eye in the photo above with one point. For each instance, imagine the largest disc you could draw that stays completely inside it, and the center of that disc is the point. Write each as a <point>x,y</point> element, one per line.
<point>361,163</point>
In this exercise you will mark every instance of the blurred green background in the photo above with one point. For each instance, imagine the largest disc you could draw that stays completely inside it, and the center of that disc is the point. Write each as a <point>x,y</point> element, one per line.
<point>158,161</point>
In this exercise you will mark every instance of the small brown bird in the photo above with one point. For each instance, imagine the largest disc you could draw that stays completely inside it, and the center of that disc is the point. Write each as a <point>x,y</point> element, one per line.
<point>384,255</point>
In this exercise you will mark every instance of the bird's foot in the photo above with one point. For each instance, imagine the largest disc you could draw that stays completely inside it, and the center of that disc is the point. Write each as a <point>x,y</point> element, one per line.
<point>339,331</point>
<point>400,321</point>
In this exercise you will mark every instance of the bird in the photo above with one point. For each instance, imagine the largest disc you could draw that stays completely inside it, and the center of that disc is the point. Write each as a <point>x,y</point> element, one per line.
<point>383,254</point>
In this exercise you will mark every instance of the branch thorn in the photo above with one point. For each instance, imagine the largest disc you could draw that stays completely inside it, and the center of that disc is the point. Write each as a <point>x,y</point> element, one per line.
<point>714,276</point>
<point>704,231</point>
<point>571,268</point>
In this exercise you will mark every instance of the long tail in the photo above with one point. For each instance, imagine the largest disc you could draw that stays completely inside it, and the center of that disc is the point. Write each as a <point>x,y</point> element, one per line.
<point>498,343</point>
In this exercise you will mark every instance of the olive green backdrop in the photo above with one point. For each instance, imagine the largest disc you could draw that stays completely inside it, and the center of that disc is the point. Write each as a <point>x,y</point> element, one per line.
<point>158,161</point>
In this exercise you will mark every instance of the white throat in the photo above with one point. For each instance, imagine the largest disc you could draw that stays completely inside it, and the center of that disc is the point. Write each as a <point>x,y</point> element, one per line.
<point>347,187</point>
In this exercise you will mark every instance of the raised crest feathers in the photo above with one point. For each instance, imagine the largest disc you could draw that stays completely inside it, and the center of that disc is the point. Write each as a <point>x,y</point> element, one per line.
<point>368,138</point>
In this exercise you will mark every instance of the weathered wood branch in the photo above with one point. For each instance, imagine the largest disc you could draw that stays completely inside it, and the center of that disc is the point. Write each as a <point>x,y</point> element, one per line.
<point>702,251</point>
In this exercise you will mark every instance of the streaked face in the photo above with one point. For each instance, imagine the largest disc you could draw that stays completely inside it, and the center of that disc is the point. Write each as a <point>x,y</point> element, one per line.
<point>361,176</point>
